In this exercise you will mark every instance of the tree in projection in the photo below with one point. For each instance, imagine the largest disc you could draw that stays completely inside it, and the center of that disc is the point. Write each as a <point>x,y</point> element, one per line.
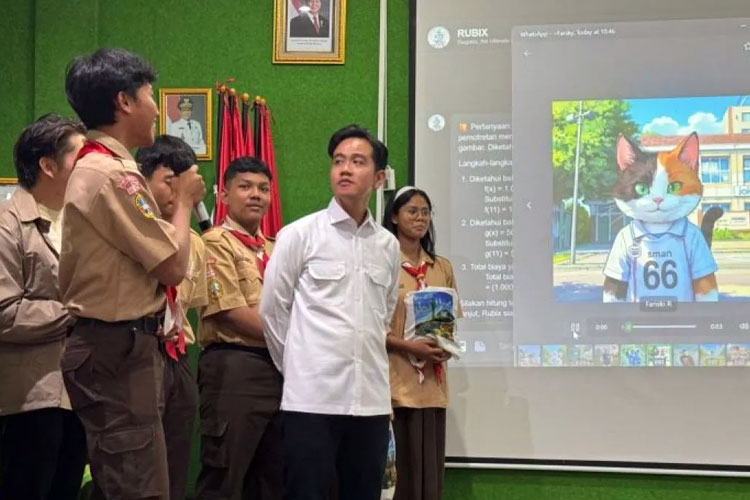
<point>597,167</point>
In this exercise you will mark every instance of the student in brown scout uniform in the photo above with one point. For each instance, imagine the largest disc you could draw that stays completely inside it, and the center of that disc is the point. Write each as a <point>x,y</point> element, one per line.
<point>240,388</point>
<point>161,164</point>
<point>418,406</point>
<point>42,443</point>
<point>117,256</point>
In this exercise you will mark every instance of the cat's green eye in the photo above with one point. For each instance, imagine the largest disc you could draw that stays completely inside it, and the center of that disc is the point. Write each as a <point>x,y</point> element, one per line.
<point>641,189</point>
<point>674,187</point>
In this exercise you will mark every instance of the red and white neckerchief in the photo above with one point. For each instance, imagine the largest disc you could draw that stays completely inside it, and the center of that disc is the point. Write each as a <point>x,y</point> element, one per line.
<point>418,274</point>
<point>173,321</point>
<point>257,245</point>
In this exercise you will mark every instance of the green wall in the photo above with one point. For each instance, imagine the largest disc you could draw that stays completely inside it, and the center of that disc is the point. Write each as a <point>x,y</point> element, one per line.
<point>16,78</point>
<point>192,43</point>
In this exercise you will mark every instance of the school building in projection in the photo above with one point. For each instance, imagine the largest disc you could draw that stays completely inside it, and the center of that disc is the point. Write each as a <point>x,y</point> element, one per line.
<point>724,167</point>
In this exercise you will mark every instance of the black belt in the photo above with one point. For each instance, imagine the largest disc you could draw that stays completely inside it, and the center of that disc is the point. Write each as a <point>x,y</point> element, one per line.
<point>225,346</point>
<point>147,324</point>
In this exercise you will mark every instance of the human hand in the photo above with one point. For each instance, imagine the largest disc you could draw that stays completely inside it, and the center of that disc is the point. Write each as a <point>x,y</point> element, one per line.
<point>165,336</point>
<point>427,350</point>
<point>190,187</point>
<point>445,356</point>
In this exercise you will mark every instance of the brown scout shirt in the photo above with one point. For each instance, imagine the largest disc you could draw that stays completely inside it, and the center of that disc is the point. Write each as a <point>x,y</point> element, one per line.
<point>33,320</point>
<point>233,281</point>
<point>112,238</point>
<point>192,292</point>
<point>406,391</point>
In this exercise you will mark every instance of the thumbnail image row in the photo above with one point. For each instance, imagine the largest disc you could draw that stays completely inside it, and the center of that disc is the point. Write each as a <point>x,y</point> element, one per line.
<point>682,355</point>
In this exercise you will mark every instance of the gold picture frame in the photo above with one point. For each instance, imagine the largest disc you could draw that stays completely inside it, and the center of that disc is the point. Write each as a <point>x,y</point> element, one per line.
<point>304,35</point>
<point>187,114</point>
<point>7,186</point>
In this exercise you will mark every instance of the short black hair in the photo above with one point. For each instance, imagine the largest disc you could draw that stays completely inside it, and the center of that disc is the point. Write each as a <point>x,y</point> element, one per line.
<point>391,209</point>
<point>246,164</point>
<point>167,151</point>
<point>46,137</point>
<point>93,81</point>
<point>379,151</point>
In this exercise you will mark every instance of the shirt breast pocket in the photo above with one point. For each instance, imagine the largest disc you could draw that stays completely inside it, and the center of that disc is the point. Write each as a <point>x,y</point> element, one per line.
<point>40,272</point>
<point>378,280</point>
<point>328,280</point>
<point>249,280</point>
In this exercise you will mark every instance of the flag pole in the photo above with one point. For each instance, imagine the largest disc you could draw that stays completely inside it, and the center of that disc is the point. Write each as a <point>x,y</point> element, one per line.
<point>220,90</point>
<point>256,123</point>
<point>245,97</point>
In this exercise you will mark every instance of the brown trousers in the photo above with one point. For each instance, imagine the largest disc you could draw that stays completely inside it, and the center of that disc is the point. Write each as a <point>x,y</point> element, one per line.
<point>241,449</point>
<point>181,402</point>
<point>420,453</point>
<point>114,375</point>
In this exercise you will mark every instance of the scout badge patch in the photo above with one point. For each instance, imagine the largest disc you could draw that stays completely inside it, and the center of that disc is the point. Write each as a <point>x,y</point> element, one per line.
<point>215,289</point>
<point>143,207</point>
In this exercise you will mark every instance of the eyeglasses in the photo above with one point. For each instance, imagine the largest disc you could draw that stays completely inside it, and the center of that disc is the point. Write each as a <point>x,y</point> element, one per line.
<point>413,212</point>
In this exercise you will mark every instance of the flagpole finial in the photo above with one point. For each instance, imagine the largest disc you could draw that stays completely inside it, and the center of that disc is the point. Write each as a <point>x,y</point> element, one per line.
<point>245,97</point>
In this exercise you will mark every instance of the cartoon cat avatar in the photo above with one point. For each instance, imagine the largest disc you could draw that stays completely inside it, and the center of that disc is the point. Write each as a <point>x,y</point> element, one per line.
<point>659,253</point>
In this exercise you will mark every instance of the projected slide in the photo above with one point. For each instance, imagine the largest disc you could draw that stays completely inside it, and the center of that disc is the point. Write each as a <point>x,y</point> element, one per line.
<point>665,179</point>
<point>645,196</point>
<point>589,167</point>
<point>626,190</point>
<point>482,227</point>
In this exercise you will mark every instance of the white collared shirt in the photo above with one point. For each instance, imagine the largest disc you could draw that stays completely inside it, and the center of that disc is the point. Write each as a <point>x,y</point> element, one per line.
<point>328,296</point>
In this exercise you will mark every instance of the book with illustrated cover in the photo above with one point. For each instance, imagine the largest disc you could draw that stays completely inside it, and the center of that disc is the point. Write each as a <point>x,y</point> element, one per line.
<point>431,313</point>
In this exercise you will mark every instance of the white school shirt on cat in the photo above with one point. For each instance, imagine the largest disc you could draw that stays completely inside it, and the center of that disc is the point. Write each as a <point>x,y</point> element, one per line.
<point>660,265</point>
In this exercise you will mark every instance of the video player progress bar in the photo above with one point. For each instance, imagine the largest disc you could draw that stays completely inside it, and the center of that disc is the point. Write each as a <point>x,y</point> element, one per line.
<point>664,327</point>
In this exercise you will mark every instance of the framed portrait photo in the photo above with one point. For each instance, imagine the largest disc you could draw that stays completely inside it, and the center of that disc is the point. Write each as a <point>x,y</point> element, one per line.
<point>186,113</point>
<point>309,31</point>
<point>7,186</point>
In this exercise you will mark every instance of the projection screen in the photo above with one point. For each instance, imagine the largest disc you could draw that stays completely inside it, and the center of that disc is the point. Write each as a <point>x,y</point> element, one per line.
<point>589,166</point>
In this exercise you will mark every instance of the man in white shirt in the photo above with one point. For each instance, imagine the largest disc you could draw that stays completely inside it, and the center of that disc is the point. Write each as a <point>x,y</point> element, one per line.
<point>186,128</point>
<point>328,296</point>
